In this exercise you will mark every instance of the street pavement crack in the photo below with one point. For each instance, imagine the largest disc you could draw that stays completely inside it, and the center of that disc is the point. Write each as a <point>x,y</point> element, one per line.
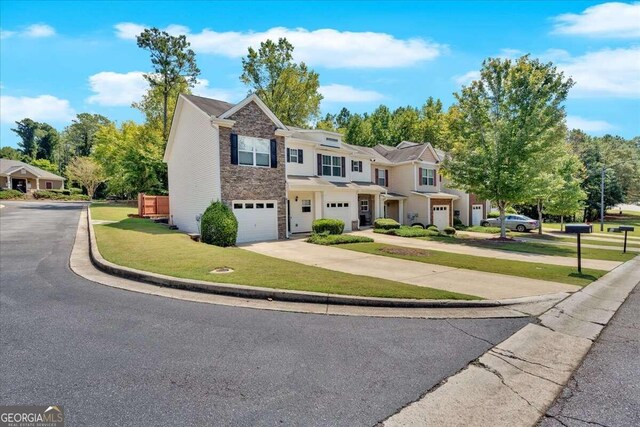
<point>512,355</point>
<point>467,333</point>
<point>561,311</point>
<point>524,370</point>
<point>501,378</point>
<point>594,423</point>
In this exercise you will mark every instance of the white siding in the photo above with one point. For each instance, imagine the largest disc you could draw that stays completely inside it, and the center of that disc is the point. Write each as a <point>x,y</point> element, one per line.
<point>193,166</point>
<point>402,179</point>
<point>308,166</point>
<point>365,175</point>
<point>428,188</point>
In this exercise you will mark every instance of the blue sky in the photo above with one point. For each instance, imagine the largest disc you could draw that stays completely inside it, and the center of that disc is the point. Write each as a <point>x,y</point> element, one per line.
<point>63,58</point>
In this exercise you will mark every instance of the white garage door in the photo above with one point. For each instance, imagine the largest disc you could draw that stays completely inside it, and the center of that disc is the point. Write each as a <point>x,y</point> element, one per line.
<point>441,216</point>
<point>257,220</point>
<point>341,211</point>
<point>476,214</point>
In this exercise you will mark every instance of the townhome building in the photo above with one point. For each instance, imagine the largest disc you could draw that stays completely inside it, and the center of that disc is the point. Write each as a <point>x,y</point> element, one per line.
<point>278,179</point>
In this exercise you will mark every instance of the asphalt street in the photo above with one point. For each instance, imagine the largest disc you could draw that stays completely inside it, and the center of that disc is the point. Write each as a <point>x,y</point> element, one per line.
<point>113,357</point>
<point>605,390</point>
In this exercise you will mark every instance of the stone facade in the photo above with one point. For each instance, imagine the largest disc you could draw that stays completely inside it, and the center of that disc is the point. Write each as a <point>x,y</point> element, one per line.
<point>447,202</point>
<point>254,183</point>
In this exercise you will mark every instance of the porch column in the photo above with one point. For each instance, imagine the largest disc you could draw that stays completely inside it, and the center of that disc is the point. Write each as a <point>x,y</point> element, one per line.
<point>37,183</point>
<point>317,212</point>
<point>379,202</point>
<point>401,211</point>
<point>9,182</point>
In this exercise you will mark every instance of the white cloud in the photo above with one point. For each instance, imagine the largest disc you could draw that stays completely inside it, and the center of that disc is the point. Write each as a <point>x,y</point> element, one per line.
<point>467,77</point>
<point>115,89</point>
<point>605,73</point>
<point>46,108</point>
<point>325,47</point>
<point>615,20</point>
<point>576,122</point>
<point>343,93</point>
<point>230,95</point>
<point>39,30</point>
<point>32,31</point>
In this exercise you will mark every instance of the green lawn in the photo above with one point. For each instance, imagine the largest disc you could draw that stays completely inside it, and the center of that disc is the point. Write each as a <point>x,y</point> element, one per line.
<point>142,244</point>
<point>111,211</point>
<point>612,219</point>
<point>555,273</point>
<point>552,239</point>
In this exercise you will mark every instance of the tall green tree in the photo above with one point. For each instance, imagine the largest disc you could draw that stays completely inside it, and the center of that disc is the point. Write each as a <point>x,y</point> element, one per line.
<point>152,104</point>
<point>289,89</point>
<point>10,153</point>
<point>173,62</point>
<point>569,197</point>
<point>47,141</point>
<point>507,119</point>
<point>27,130</point>
<point>79,135</point>
<point>434,124</point>
<point>45,164</point>
<point>87,173</point>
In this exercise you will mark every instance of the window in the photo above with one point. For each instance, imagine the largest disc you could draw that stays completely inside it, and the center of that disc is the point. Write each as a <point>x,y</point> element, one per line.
<point>259,205</point>
<point>332,139</point>
<point>356,166</point>
<point>294,155</point>
<point>364,205</point>
<point>254,151</point>
<point>428,177</point>
<point>48,185</point>
<point>306,206</point>
<point>248,205</point>
<point>382,177</point>
<point>237,206</point>
<point>331,165</point>
<point>270,205</point>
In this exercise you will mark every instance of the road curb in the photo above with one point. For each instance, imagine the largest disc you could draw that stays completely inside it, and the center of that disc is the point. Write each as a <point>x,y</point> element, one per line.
<point>288,295</point>
<point>523,375</point>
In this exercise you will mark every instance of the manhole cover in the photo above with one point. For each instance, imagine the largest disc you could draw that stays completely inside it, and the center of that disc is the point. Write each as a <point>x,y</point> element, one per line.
<point>221,270</point>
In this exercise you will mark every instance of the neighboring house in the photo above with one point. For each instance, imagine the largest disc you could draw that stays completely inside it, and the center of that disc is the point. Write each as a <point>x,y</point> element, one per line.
<point>20,176</point>
<point>277,179</point>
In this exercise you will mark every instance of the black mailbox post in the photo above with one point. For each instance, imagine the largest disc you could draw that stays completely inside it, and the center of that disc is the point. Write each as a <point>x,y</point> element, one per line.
<point>578,229</point>
<point>626,229</point>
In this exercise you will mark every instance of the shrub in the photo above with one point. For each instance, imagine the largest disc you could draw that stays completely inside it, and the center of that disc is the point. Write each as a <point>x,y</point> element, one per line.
<point>493,214</point>
<point>218,225</point>
<point>431,226</point>
<point>328,225</point>
<point>480,229</point>
<point>457,221</point>
<point>417,226</point>
<point>386,223</point>
<point>450,231</point>
<point>405,231</point>
<point>11,194</point>
<point>74,190</point>
<point>337,239</point>
<point>56,195</point>
<point>510,210</point>
<point>66,192</point>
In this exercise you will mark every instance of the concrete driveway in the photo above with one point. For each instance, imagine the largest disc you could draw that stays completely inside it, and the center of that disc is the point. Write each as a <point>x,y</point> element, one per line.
<point>596,264</point>
<point>485,285</point>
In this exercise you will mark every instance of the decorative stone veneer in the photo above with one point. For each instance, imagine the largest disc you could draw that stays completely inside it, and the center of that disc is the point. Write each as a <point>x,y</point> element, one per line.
<point>254,183</point>
<point>447,202</point>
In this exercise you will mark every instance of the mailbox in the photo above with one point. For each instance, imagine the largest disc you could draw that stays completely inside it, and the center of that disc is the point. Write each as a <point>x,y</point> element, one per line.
<point>577,228</point>
<point>626,228</point>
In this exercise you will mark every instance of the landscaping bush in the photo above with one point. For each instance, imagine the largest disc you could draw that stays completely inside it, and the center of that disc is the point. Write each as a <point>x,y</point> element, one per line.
<point>431,227</point>
<point>457,221</point>
<point>493,214</point>
<point>386,223</point>
<point>11,194</point>
<point>74,191</point>
<point>337,239</point>
<point>57,195</point>
<point>405,231</point>
<point>480,229</point>
<point>218,225</point>
<point>64,191</point>
<point>327,225</point>
<point>450,231</point>
<point>418,226</point>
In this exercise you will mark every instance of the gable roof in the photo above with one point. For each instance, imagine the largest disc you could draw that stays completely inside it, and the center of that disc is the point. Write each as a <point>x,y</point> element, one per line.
<point>213,107</point>
<point>407,154</point>
<point>368,151</point>
<point>253,98</point>
<point>8,166</point>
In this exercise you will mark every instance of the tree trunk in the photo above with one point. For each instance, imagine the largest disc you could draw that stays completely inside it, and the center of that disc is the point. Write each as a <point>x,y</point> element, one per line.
<point>164,117</point>
<point>540,216</point>
<point>503,225</point>
<point>561,222</point>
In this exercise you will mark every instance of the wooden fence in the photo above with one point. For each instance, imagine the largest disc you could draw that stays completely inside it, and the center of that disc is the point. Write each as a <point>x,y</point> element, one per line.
<point>152,205</point>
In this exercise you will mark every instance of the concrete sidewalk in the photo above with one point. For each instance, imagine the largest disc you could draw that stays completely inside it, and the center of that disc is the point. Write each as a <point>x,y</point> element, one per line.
<point>489,253</point>
<point>482,284</point>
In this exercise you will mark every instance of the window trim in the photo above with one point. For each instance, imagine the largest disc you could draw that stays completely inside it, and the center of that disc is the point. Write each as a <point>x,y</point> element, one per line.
<point>364,205</point>
<point>334,163</point>
<point>425,178</point>
<point>381,180</point>
<point>305,204</point>
<point>254,151</point>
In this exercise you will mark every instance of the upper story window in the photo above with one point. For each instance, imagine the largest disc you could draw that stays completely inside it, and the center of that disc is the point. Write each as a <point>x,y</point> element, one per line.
<point>356,166</point>
<point>382,177</point>
<point>294,155</point>
<point>253,151</point>
<point>427,176</point>
<point>331,165</point>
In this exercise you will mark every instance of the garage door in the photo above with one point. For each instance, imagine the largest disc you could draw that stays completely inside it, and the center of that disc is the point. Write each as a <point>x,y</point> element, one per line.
<point>257,220</point>
<point>476,214</point>
<point>341,211</point>
<point>441,216</point>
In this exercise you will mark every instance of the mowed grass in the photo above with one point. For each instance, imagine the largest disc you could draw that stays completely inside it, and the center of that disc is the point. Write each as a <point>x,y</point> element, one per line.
<point>111,211</point>
<point>536,248</point>
<point>144,245</point>
<point>593,240</point>
<point>554,273</point>
<point>611,219</point>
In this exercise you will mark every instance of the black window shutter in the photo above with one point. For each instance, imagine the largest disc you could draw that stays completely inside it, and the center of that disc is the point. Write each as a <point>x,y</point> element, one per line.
<point>344,167</point>
<point>288,155</point>
<point>234,149</point>
<point>300,151</point>
<point>319,164</point>
<point>376,179</point>
<point>386,177</point>
<point>359,166</point>
<point>274,153</point>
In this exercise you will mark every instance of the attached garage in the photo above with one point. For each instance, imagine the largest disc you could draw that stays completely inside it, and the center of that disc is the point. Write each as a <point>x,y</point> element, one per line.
<point>339,210</point>
<point>441,216</point>
<point>477,214</point>
<point>257,220</point>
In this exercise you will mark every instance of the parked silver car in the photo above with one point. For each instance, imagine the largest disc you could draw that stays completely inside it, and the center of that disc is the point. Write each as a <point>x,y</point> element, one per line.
<point>512,222</point>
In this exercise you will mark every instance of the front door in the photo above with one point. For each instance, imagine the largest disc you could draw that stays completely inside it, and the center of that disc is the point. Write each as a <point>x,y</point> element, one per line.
<point>19,184</point>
